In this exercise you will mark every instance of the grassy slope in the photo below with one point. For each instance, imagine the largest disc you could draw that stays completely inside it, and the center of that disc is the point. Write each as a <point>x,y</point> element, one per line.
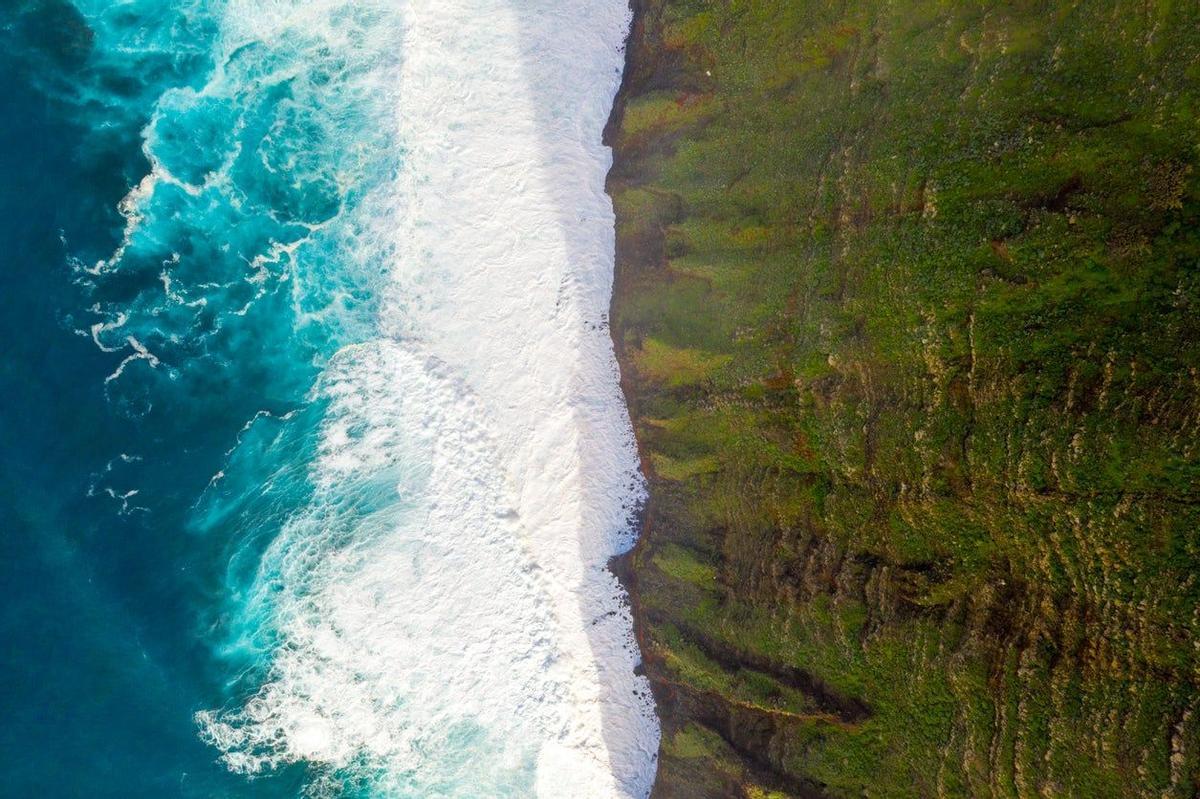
<point>908,310</point>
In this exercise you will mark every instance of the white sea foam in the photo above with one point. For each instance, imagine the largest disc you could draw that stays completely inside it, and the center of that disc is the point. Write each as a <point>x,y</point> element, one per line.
<point>444,622</point>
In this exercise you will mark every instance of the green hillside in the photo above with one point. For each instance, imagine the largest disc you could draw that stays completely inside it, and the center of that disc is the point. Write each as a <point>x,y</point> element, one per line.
<point>908,311</point>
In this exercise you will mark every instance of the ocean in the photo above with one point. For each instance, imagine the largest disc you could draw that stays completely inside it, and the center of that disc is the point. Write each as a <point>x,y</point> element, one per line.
<point>312,449</point>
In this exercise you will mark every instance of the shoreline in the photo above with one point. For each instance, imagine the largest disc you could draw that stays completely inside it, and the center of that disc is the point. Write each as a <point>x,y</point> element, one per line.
<point>622,565</point>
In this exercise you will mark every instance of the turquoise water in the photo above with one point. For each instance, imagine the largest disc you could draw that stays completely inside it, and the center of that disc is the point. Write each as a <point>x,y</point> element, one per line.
<point>153,342</point>
<point>311,447</point>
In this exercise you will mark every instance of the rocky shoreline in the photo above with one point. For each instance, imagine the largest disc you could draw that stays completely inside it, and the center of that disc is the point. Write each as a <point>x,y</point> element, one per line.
<point>678,704</point>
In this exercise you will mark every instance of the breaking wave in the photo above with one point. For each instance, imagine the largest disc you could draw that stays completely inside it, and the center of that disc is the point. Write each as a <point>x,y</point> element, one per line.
<point>375,235</point>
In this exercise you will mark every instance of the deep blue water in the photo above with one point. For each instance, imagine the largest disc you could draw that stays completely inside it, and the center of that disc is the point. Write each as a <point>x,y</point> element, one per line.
<point>120,619</point>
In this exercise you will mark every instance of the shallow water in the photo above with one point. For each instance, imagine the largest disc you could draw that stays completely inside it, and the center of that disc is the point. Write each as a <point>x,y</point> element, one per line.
<point>312,449</point>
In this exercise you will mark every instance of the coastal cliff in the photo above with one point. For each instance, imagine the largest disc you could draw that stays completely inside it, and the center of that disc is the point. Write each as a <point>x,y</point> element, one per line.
<point>907,308</point>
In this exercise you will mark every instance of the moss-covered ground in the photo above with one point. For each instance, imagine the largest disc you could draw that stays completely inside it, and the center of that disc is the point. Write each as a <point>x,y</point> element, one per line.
<point>908,312</point>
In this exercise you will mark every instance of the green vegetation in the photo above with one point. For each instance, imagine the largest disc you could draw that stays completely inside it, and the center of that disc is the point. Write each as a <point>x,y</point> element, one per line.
<point>908,311</point>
